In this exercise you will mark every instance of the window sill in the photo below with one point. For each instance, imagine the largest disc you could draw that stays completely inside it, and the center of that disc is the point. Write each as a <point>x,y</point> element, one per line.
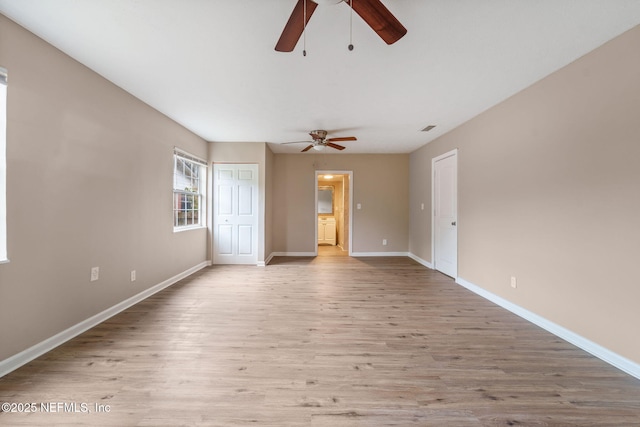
<point>188,228</point>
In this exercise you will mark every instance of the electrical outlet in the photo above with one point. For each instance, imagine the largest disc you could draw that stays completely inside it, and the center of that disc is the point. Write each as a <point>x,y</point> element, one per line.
<point>359,206</point>
<point>133,275</point>
<point>384,242</point>
<point>421,206</point>
<point>95,273</point>
<point>514,282</point>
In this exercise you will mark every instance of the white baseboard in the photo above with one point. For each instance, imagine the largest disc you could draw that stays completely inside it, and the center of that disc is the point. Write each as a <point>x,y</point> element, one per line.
<point>597,350</point>
<point>273,254</point>
<point>420,260</point>
<point>266,261</point>
<point>14,362</point>
<point>371,254</point>
<point>353,254</point>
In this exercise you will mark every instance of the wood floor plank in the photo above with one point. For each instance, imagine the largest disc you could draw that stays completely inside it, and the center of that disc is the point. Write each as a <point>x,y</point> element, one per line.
<point>325,341</point>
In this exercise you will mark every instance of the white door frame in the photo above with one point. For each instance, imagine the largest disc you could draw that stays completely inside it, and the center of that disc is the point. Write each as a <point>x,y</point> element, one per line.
<point>334,172</point>
<point>454,153</point>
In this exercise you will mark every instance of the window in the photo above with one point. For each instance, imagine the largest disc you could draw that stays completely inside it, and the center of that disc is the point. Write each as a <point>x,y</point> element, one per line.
<point>189,174</point>
<point>3,165</point>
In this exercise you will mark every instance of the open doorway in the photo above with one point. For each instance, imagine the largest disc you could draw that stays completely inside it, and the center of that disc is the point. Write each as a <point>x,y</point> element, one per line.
<point>333,212</point>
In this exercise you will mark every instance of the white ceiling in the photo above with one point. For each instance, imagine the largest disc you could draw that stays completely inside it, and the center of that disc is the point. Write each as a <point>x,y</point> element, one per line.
<point>211,65</point>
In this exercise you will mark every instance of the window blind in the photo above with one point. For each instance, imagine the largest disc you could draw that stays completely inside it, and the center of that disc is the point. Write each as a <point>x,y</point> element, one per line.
<point>190,157</point>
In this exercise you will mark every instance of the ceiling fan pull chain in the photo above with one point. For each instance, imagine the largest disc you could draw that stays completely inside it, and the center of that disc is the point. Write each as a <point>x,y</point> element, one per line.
<point>304,30</point>
<point>351,26</point>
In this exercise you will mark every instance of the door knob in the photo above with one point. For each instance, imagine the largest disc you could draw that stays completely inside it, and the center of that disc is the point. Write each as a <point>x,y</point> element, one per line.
<point>453,223</point>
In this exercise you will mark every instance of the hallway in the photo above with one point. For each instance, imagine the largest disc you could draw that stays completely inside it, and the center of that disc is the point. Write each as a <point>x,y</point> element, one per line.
<point>328,250</point>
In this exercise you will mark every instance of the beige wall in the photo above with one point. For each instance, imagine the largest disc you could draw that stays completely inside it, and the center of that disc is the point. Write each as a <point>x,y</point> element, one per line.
<point>380,185</point>
<point>88,184</point>
<point>549,192</point>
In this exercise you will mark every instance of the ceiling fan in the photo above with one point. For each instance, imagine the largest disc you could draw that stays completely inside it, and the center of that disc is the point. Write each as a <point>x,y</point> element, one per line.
<point>374,13</point>
<point>320,141</point>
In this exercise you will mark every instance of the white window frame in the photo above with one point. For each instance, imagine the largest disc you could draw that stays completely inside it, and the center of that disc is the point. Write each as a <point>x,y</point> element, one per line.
<point>3,166</point>
<point>183,158</point>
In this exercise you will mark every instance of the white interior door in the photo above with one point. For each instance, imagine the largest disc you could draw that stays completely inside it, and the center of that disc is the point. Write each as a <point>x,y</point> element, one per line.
<point>235,213</point>
<point>445,213</point>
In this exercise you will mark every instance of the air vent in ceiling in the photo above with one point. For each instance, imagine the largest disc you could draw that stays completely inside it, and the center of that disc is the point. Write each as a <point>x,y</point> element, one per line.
<point>428,128</point>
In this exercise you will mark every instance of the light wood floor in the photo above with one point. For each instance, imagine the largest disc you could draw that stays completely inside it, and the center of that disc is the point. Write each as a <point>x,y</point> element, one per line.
<point>328,250</point>
<point>326,341</point>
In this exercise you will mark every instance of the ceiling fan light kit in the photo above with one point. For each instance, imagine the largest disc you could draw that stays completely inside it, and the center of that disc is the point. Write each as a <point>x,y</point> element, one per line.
<point>373,12</point>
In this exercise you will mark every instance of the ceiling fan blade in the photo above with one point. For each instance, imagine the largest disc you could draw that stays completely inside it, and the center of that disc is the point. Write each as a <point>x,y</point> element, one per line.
<point>336,146</point>
<point>380,19</point>
<point>295,142</point>
<point>295,25</point>
<point>308,148</point>
<point>342,138</point>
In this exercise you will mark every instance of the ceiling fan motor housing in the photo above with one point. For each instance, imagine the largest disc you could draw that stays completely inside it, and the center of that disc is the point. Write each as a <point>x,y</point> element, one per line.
<point>318,135</point>
<point>325,2</point>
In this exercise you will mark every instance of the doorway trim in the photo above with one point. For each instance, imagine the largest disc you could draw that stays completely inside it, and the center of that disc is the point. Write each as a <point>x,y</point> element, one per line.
<point>451,153</point>
<point>315,185</point>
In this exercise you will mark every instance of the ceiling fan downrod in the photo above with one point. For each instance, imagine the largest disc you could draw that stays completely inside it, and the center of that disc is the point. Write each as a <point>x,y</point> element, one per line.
<point>304,29</point>
<point>351,26</point>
